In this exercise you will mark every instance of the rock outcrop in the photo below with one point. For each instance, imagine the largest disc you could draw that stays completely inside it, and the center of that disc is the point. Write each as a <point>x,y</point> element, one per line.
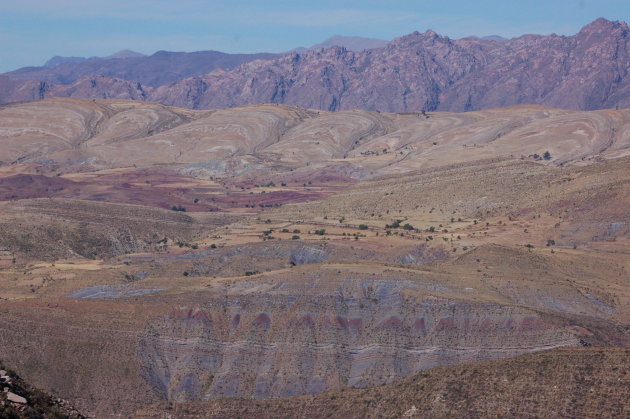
<point>19,399</point>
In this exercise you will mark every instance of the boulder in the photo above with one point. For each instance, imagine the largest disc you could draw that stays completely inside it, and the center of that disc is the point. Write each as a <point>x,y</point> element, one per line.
<point>12,397</point>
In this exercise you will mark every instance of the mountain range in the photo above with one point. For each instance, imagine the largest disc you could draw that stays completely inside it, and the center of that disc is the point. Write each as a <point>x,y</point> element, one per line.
<point>419,71</point>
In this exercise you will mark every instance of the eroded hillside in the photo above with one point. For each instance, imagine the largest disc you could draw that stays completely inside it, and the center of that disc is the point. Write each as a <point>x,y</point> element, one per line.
<point>561,383</point>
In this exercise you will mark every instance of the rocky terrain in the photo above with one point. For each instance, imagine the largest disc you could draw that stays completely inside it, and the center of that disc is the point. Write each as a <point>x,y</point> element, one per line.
<point>569,383</point>
<point>415,72</point>
<point>20,400</point>
<point>165,261</point>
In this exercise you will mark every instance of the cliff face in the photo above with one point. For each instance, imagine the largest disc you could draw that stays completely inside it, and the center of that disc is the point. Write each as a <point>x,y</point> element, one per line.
<point>585,71</point>
<point>270,340</point>
<point>408,74</point>
<point>415,72</point>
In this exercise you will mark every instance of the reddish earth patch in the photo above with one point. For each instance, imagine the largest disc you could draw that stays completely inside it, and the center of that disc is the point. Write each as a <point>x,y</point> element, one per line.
<point>24,186</point>
<point>236,320</point>
<point>262,320</point>
<point>532,323</point>
<point>419,325</point>
<point>392,322</point>
<point>446,323</point>
<point>157,188</point>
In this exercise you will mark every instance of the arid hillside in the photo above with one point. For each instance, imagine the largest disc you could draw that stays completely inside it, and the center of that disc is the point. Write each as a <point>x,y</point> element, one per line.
<point>21,400</point>
<point>279,142</point>
<point>158,260</point>
<point>558,383</point>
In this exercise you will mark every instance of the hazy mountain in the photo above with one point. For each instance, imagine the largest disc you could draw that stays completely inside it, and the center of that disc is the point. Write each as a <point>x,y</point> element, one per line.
<point>352,43</point>
<point>154,70</point>
<point>494,38</point>
<point>126,53</point>
<point>56,60</point>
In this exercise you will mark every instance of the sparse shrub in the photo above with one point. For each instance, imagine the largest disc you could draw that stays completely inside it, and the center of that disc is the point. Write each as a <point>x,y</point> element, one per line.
<point>213,246</point>
<point>320,232</point>
<point>295,237</point>
<point>178,208</point>
<point>395,224</point>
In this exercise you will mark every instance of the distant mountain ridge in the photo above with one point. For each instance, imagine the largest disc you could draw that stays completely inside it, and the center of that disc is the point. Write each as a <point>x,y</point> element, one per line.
<point>351,43</point>
<point>419,71</point>
<point>157,69</point>
<point>57,59</point>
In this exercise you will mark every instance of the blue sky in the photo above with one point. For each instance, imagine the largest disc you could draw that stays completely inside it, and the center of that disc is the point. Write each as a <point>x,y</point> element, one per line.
<point>32,31</point>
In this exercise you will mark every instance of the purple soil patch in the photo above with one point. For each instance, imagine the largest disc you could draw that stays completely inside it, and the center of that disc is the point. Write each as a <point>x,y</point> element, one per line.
<point>35,186</point>
<point>108,292</point>
<point>262,320</point>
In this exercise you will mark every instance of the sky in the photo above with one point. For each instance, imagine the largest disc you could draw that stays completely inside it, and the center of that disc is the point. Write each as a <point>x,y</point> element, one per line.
<point>32,31</point>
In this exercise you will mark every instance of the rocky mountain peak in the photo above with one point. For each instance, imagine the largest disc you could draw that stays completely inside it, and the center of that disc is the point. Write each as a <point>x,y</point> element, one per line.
<point>601,24</point>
